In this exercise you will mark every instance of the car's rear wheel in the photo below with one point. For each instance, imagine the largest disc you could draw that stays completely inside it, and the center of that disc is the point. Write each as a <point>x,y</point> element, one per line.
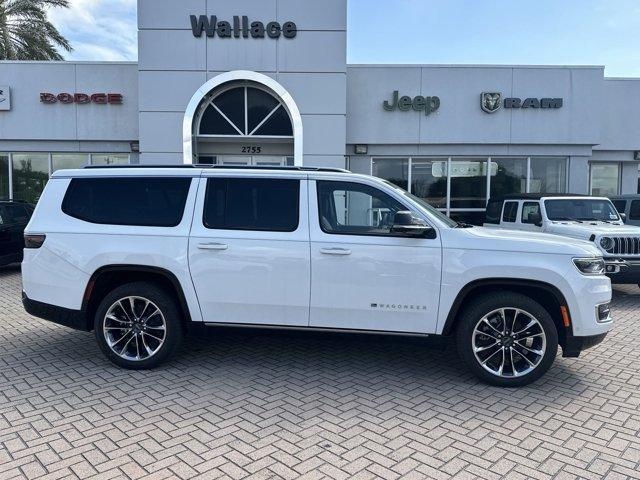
<point>138,326</point>
<point>507,339</point>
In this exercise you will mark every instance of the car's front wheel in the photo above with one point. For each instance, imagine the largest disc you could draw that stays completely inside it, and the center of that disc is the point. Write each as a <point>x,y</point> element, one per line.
<point>138,326</point>
<point>507,339</point>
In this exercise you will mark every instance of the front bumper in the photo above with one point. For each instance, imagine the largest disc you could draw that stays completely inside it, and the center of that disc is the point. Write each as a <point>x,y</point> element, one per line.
<point>621,271</point>
<point>66,317</point>
<point>574,345</point>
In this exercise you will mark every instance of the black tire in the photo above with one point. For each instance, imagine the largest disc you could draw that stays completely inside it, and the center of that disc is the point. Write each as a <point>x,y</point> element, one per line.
<point>169,317</point>
<point>473,316</point>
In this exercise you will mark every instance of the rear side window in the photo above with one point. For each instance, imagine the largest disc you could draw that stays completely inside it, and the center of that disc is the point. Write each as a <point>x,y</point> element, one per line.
<point>140,201</point>
<point>494,209</point>
<point>620,205</point>
<point>634,211</point>
<point>510,212</point>
<point>17,214</point>
<point>264,204</point>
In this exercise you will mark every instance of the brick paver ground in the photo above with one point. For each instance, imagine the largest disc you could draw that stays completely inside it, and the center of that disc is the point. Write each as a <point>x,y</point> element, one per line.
<point>281,405</point>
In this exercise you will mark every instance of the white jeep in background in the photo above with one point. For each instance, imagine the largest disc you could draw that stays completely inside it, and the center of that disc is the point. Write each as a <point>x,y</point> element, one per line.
<point>594,219</point>
<point>143,255</point>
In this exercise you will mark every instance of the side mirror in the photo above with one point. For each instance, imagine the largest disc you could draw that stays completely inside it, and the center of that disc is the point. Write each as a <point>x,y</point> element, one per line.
<point>623,217</point>
<point>404,225</point>
<point>536,219</point>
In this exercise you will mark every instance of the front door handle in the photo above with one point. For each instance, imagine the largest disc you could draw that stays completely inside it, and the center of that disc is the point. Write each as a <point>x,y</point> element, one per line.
<point>213,246</point>
<point>335,251</point>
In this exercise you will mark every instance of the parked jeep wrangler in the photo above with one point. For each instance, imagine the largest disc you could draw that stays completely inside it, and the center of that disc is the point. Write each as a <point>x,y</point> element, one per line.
<point>581,217</point>
<point>143,255</point>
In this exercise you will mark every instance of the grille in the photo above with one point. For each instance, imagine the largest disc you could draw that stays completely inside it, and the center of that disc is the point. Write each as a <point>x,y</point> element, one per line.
<point>625,246</point>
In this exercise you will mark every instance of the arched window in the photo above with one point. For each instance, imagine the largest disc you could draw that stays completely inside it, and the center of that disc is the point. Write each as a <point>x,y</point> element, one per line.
<point>244,111</point>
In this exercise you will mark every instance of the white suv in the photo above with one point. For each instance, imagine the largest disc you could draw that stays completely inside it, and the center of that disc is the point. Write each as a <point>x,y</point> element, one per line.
<point>143,255</point>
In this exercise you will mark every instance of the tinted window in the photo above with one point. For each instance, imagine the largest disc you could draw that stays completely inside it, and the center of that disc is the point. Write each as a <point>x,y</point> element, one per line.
<point>531,212</point>
<point>634,211</point>
<point>142,201</point>
<point>266,204</point>
<point>494,209</point>
<point>17,214</point>
<point>510,212</point>
<point>356,209</point>
<point>620,205</point>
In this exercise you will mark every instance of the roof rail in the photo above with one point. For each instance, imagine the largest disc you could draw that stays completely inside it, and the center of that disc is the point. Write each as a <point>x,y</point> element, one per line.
<point>225,167</point>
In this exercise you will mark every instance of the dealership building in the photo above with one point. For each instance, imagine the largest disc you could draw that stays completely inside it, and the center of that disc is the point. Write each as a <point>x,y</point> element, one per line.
<point>266,82</point>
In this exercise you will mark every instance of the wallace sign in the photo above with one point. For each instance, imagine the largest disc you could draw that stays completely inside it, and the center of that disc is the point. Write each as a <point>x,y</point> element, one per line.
<point>240,28</point>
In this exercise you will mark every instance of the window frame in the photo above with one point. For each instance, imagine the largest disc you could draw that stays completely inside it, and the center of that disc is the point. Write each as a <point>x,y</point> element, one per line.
<point>210,180</point>
<point>618,182</point>
<point>318,183</point>
<point>524,204</point>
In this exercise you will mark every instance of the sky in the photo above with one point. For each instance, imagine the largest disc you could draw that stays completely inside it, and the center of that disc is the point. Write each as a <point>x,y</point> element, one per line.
<point>540,32</point>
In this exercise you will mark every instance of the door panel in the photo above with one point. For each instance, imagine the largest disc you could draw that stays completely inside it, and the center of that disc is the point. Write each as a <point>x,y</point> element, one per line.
<point>250,276</point>
<point>369,281</point>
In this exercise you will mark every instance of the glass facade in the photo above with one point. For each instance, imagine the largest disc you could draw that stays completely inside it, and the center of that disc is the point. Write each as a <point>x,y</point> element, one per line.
<point>461,186</point>
<point>604,179</point>
<point>4,177</point>
<point>24,175</point>
<point>30,175</point>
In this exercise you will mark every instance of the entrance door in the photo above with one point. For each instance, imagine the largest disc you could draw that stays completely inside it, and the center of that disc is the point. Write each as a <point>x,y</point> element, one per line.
<point>363,276</point>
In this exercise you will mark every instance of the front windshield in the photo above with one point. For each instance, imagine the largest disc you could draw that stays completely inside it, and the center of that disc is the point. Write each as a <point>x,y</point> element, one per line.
<point>581,210</point>
<point>429,208</point>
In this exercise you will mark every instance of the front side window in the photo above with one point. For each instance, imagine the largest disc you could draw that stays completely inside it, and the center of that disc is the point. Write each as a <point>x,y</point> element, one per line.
<point>531,212</point>
<point>262,204</point>
<point>347,208</point>
<point>634,210</point>
<point>141,201</point>
<point>17,214</point>
<point>510,212</point>
<point>581,210</point>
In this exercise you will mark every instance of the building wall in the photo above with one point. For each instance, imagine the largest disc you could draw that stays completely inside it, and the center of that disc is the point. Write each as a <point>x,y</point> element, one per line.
<point>173,64</point>
<point>460,120</point>
<point>31,125</point>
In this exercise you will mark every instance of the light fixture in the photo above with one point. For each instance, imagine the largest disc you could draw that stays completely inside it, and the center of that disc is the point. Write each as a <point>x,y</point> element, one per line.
<point>361,149</point>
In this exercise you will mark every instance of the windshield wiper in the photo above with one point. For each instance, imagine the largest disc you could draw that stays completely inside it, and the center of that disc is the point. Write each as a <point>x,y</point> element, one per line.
<point>463,225</point>
<point>593,219</point>
<point>562,219</point>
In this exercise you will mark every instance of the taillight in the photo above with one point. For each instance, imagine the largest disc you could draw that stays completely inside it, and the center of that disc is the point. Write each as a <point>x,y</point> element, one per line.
<point>34,240</point>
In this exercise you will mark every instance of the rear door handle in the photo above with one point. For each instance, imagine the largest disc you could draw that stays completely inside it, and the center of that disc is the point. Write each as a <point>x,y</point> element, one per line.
<point>213,246</point>
<point>335,251</point>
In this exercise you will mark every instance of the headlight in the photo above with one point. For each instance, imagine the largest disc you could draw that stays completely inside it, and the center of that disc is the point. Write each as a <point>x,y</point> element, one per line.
<point>606,243</point>
<point>590,266</point>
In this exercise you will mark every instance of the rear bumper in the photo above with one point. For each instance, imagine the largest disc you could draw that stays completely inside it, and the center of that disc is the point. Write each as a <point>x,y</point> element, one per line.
<point>574,345</point>
<point>66,317</point>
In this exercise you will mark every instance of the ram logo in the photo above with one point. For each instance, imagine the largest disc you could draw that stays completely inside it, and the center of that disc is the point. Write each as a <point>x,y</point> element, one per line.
<point>490,101</point>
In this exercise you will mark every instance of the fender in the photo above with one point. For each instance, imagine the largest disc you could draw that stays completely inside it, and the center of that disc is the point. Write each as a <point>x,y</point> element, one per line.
<point>498,282</point>
<point>173,280</point>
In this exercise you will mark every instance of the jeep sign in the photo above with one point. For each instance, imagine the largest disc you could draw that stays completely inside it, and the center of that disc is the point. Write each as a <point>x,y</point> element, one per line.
<point>405,103</point>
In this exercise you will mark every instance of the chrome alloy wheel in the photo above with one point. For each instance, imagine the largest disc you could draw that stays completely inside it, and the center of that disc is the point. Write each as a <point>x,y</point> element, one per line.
<point>134,328</point>
<point>509,342</point>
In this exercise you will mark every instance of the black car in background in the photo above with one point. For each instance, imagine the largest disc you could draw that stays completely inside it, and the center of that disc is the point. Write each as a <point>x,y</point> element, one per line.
<point>14,217</point>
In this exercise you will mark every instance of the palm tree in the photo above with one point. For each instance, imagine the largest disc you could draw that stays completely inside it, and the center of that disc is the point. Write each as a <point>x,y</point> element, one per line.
<point>25,32</point>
